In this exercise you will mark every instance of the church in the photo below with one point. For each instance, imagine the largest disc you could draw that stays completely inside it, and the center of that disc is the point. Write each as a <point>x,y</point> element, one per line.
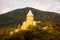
<point>29,20</point>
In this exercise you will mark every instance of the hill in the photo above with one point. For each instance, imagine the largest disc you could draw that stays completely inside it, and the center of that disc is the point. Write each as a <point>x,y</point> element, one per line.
<point>47,29</point>
<point>41,31</point>
<point>18,16</point>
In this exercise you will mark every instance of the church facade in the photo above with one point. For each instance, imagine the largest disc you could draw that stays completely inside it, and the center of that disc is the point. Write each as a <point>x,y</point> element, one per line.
<point>29,21</point>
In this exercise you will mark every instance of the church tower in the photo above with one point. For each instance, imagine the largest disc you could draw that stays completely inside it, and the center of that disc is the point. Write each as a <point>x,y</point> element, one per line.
<point>30,17</point>
<point>29,20</point>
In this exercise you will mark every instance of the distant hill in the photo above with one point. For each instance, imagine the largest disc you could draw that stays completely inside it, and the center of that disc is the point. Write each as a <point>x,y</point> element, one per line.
<point>13,18</point>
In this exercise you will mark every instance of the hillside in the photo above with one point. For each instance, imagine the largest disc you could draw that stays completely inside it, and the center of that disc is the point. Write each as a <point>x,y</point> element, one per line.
<point>46,28</point>
<point>41,31</point>
<point>17,16</point>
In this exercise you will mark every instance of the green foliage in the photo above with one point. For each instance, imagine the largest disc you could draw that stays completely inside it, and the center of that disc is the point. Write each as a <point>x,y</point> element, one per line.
<point>36,33</point>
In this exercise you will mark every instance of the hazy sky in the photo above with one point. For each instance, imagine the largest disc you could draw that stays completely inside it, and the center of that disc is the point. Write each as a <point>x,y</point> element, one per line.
<point>46,5</point>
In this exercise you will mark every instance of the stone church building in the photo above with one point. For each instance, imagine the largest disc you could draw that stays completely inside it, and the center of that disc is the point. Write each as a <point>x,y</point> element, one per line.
<point>29,20</point>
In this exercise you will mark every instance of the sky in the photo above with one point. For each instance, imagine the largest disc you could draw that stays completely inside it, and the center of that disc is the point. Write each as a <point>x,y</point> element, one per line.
<point>45,5</point>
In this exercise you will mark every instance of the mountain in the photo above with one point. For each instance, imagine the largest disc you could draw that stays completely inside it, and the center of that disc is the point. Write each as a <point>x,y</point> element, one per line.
<point>18,16</point>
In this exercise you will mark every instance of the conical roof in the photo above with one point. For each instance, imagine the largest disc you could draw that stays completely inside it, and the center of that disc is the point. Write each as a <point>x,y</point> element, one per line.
<point>30,13</point>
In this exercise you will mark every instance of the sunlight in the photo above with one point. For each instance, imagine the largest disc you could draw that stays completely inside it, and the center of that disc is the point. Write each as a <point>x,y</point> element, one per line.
<point>11,32</point>
<point>29,20</point>
<point>46,27</point>
<point>16,30</point>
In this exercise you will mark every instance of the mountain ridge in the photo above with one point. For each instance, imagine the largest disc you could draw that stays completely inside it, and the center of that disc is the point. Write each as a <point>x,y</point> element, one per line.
<point>18,16</point>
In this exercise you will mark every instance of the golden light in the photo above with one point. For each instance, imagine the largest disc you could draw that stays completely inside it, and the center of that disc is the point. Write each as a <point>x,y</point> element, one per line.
<point>11,32</point>
<point>46,27</point>
<point>29,21</point>
<point>16,30</point>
